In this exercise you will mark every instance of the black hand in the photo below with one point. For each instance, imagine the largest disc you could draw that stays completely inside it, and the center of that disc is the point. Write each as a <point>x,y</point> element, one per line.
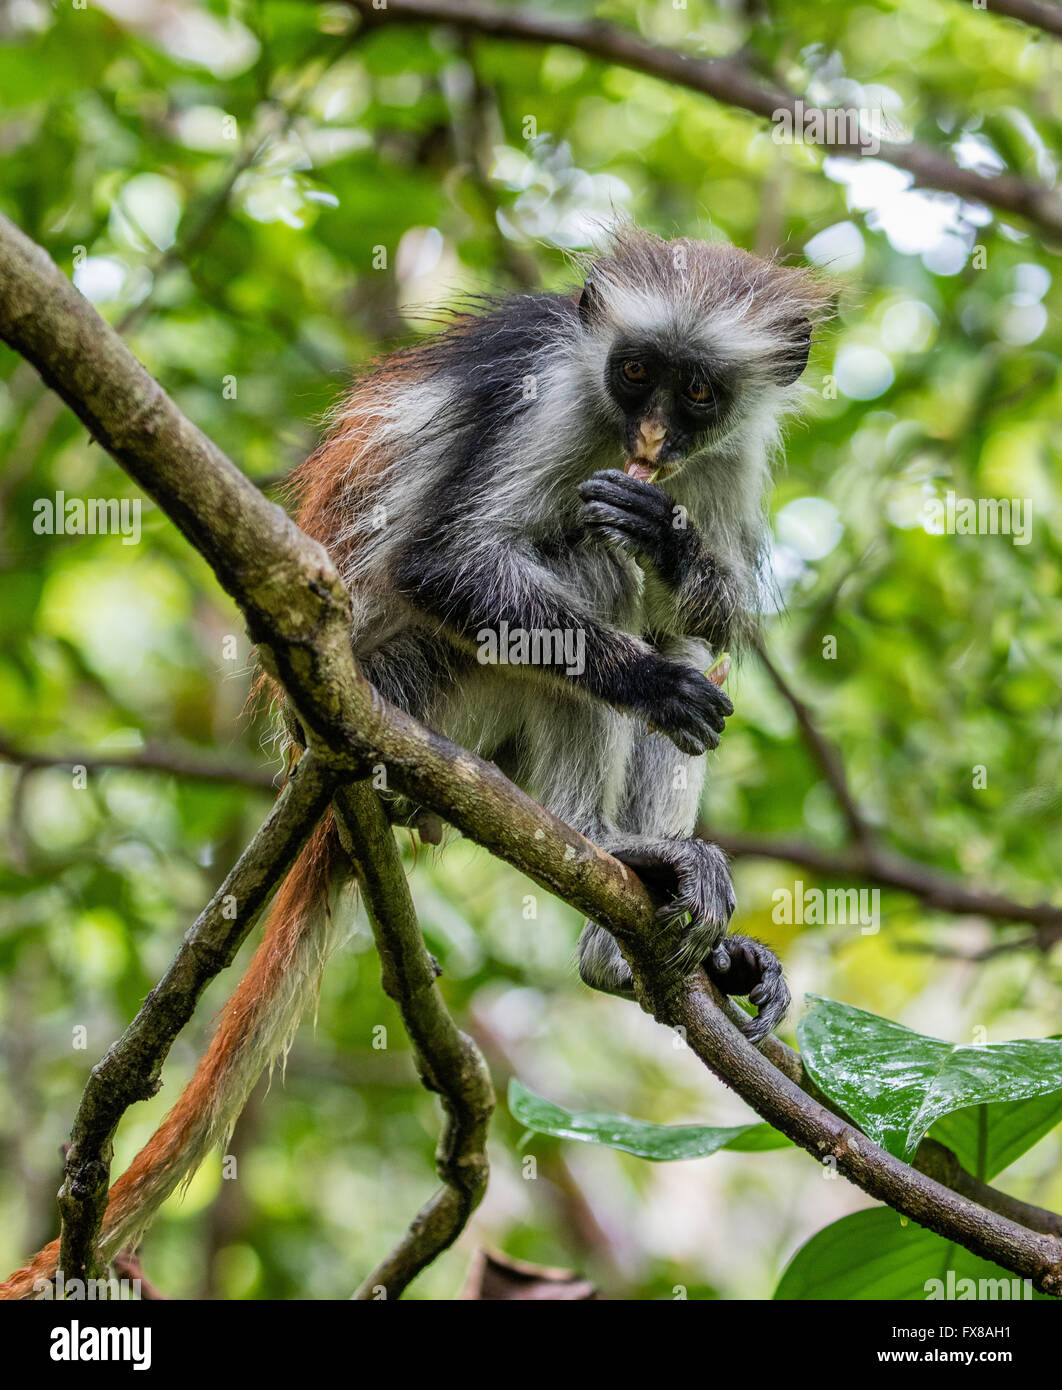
<point>679,702</point>
<point>641,517</point>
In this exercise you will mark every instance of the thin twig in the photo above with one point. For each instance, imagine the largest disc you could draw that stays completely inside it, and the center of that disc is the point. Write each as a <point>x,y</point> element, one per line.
<point>823,751</point>
<point>448,1061</point>
<point>127,1266</point>
<point>173,761</point>
<point>940,891</point>
<point>196,232</point>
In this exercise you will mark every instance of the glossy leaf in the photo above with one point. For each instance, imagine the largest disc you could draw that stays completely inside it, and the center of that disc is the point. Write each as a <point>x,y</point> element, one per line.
<point>895,1083</point>
<point>661,1143</point>
<point>876,1254</point>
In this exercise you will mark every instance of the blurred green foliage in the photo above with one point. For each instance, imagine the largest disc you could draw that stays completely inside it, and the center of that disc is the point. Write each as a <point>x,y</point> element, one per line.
<point>263,198</point>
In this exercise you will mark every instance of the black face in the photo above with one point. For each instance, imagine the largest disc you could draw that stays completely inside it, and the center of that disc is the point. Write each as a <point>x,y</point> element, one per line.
<point>684,396</point>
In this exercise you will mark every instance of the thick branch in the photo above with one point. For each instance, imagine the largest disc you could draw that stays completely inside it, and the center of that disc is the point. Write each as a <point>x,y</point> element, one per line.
<point>728,81</point>
<point>448,1061</point>
<point>131,1067</point>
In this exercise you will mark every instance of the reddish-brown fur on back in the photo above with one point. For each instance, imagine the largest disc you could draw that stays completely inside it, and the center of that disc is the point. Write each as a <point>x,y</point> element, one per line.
<point>341,470</point>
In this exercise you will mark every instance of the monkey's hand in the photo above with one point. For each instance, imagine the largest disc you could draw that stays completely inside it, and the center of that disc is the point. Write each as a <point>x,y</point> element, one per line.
<point>642,519</point>
<point>681,703</point>
<point>741,965</point>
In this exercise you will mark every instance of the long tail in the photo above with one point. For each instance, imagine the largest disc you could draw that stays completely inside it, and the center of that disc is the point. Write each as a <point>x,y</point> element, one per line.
<point>255,1026</point>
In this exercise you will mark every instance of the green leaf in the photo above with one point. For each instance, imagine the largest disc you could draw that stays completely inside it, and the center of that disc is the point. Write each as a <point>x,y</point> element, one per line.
<point>661,1143</point>
<point>995,1135</point>
<point>875,1254</point>
<point>895,1083</point>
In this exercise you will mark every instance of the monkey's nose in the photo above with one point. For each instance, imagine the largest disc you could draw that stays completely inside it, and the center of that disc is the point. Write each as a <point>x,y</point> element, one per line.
<point>651,436</point>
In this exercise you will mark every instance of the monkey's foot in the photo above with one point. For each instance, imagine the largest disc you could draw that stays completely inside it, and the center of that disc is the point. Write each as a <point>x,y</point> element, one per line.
<point>691,880</point>
<point>742,965</point>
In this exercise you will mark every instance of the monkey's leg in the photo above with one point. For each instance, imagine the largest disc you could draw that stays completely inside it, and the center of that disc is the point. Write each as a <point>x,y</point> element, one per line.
<point>687,877</point>
<point>690,878</point>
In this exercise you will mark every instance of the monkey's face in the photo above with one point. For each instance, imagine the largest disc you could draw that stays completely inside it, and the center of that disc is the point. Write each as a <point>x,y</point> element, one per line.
<point>699,342</point>
<point>670,404</point>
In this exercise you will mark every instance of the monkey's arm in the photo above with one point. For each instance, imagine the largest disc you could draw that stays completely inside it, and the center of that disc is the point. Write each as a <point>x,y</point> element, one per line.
<point>707,597</point>
<point>507,587</point>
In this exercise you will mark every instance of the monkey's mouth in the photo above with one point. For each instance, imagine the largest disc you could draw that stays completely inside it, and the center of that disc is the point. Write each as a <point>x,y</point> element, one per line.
<point>646,471</point>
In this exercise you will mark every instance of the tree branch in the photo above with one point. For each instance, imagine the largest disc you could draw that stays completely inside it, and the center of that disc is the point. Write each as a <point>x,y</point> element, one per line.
<point>448,1061</point>
<point>131,1067</point>
<point>1041,14</point>
<point>711,1034</point>
<point>728,81</point>
<point>823,751</point>
<point>941,891</point>
<point>173,761</point>
<point>298,610</point>
<point>878,866</point>
<point>931,1157</point>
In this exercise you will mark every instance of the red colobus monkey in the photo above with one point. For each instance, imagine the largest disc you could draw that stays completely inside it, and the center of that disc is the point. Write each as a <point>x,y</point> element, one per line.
<point>470,493</point>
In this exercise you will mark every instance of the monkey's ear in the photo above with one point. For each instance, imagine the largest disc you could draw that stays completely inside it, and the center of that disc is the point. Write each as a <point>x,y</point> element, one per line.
<point>793,357</point>
<point>589,303</point>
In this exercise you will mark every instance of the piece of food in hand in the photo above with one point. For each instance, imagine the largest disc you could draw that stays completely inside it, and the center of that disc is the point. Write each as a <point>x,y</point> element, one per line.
<point>718,672</point>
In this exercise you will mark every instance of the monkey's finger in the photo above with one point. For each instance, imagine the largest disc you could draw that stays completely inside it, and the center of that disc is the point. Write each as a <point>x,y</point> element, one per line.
<point>621,490</point>
<point>765,990</point>
<point>713,717</point>
<point>638,528</point>
<point>692,747</point>
<point>617,537</point>
<point>618,478</point>
<point>757,1028</point>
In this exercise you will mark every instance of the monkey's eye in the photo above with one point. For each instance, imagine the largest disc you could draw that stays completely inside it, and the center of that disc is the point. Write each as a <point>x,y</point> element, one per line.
<point>635,372</point>
<point>700,391</point>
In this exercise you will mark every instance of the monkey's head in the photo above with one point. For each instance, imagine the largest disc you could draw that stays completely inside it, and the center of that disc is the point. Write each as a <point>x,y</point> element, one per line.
<point>696,340</point>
